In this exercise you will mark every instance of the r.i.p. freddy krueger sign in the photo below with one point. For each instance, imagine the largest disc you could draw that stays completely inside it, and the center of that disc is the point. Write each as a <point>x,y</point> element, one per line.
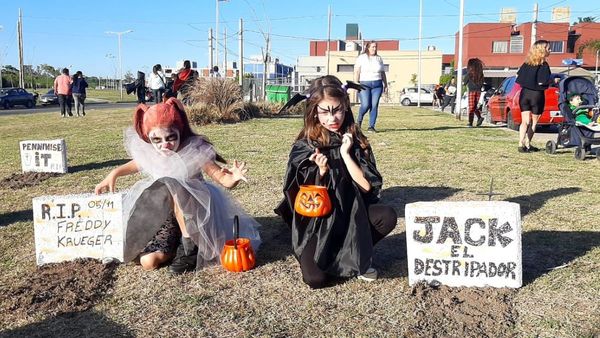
<point>464,243</point>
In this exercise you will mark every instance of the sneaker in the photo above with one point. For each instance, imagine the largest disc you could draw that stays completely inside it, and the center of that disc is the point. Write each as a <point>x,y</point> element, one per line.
<point>479,121</point>
<point>371,130</point>
<point>370,275</point>
<point>523,149</point>
<point>533,149</point>
<point>469,125</point>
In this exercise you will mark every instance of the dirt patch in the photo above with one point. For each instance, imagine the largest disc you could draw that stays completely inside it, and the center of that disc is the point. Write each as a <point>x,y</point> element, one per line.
<point>441,311</point>
<point>22,180</point>
<point>59,288</point>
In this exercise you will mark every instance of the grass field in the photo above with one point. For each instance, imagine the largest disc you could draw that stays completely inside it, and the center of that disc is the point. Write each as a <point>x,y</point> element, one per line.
<point>423,156</point>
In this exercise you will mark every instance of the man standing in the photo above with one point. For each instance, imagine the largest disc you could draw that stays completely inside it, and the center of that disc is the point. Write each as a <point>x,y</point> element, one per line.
<point>450,96</point>
<point>62,89</point>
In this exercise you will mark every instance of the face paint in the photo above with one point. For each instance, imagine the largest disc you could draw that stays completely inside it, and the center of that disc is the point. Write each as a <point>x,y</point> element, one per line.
<point>330,113</point>
<point>164,140</point>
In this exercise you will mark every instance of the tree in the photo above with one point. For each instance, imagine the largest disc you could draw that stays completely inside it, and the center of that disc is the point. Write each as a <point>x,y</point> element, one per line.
<point>592,45</point>
<point>413,79</point>
<point>128,77</point>
<point>585,19</point>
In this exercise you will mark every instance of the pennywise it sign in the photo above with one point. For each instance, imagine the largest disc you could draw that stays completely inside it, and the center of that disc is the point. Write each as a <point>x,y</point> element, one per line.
<point>48,156</point>
<point>77,226</point>
<point>464,243</point>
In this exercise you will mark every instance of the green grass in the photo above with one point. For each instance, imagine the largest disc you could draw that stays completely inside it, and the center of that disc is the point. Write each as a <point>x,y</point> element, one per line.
<point>110,95</point>
<point>422,155</point>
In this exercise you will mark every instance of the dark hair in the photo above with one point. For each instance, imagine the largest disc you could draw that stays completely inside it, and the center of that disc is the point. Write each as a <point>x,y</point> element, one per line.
<point>187,64</point>
<point>156,68</point>
<point>215,68</point>
<point>475,71</point>
<point>65,71</point>
<point>320,88</point>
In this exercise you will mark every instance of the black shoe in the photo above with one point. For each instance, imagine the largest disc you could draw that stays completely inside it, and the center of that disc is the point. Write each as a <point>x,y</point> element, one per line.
<point>470,125</point>
<point>479,121</point>
<point>533,149</point>
<point>185,258</point>
<point>371,130</point>
<point>523,149</point>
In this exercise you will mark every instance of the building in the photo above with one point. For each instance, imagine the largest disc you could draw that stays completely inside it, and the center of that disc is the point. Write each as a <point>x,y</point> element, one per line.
<point>503,46</point>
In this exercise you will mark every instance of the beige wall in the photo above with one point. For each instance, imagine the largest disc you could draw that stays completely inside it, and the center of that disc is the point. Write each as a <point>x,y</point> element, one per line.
<point>402,64</point>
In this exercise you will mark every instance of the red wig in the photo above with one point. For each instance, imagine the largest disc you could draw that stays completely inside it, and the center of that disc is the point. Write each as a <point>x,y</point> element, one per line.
<point>170,114</point>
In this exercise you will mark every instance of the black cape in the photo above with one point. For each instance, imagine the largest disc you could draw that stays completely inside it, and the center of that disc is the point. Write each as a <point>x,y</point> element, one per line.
<point>344,244</point>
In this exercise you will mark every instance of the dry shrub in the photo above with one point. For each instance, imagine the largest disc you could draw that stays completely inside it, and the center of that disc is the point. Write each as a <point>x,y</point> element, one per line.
<point>271,109</point>
<point>216,100</point>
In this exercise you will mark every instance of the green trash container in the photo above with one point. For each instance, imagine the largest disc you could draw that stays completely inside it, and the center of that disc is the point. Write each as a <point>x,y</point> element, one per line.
<point>276,93</point>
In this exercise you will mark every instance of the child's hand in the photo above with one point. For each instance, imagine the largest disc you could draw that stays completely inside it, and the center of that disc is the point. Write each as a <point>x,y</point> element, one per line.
<point>237,172</point>
<point>107,185</point>
<point>346,143</point>
<point>320,160</point>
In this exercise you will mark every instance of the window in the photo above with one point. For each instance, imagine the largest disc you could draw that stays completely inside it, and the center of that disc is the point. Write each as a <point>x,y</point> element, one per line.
<point>345,68</point>
<point>516,44</point>
<point>556,46</point>
<point>499,46</point>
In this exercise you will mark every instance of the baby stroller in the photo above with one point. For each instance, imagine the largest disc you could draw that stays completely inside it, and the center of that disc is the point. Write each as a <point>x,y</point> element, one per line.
<point>572,133</point>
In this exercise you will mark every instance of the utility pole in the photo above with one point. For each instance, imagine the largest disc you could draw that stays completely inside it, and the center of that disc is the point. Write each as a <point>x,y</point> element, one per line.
<point>1,28</point>
<point>21,65</point>
<point>328,36</point>
<point>534,24</point>
<point>241,52</point>
<point>419,57</point>
<point>120,62</point>
<point>225,53</point>
<point>210,50</point>
<point>459,66</point>
<point>264,77</point>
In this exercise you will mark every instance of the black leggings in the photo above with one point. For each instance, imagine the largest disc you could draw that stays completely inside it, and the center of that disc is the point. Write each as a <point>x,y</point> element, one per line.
<point>532,100</point>
<point>382,220</point>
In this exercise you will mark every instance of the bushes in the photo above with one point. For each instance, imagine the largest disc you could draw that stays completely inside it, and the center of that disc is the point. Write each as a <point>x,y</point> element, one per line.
<point>219,100</point>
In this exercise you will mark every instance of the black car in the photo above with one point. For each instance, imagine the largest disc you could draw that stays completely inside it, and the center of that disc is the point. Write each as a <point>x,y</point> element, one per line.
<point>10,97</point>
<point>49,98</point>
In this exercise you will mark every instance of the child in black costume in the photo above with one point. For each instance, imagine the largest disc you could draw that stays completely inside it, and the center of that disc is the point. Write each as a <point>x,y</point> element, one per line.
<point>332,146</point>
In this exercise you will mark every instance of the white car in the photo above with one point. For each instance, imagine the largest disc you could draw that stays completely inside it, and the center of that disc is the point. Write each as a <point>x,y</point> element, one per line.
<point>410,96</point>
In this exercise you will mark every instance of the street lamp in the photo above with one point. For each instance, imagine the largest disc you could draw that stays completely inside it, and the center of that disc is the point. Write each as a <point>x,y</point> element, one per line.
<point>114,66</point>
<point>118,34</point>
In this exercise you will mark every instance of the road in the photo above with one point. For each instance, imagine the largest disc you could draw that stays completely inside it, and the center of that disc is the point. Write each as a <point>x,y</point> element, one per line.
<point>50,109</point>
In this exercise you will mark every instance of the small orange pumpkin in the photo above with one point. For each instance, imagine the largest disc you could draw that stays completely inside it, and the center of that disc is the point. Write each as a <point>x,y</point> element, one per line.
<point>237,254</point>
<point>312,201</point>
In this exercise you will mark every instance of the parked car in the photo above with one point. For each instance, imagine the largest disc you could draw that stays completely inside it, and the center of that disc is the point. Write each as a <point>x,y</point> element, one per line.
<point>503,106</point>
<point>49,98</point>
<point>409,96</point>
<point>10,97</point>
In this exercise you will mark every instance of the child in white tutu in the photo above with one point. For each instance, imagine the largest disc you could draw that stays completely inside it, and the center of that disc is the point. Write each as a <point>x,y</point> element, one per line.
<point>174,199</point>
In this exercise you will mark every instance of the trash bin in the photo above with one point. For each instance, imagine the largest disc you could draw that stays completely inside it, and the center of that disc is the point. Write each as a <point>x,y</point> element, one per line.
<point>276,93</point>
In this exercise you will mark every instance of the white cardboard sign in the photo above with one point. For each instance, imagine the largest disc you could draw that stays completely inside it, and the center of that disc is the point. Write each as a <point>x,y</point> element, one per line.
<point>48,156</point>
<point>77,226</point>
<point>464,243</point>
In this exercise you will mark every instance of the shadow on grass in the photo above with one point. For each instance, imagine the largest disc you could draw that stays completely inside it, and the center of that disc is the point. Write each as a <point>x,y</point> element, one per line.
<point>74,324</point>
<point>533,202</point>
<point>16,216</point>
<point>276,240</point>
<point>390,256</point>
<point>100,165</point>
<point>545,250</point>
<point>399,197</point>
<point>383,130</point>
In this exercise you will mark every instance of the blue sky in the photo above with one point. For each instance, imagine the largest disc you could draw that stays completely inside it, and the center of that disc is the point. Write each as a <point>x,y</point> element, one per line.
<point>66,33</point>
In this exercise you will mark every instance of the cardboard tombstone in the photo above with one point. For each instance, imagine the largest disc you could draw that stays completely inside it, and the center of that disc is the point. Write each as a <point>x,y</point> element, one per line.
<point>464,243</point>
<point>77,226</point>
<point>49,156</point>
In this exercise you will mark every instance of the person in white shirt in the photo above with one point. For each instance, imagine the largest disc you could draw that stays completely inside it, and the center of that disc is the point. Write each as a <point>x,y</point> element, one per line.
<point>157,83</point>
<point>370,72</point>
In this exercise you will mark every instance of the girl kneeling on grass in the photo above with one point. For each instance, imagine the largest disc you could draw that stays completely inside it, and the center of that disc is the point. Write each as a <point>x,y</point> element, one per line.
<point>332,148</point>
<point>174,200</point>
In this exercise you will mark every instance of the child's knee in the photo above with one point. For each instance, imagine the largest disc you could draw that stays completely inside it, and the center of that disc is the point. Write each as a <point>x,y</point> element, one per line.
<point>149,262</point>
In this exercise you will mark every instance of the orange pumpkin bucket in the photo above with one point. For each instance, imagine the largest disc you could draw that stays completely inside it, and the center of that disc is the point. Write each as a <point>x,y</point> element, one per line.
<point>237,254</point>
<point>312,200</point>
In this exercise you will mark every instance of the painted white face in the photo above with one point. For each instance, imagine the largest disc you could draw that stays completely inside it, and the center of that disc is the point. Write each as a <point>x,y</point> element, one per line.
<point>330,113</point>
<point>164,140</point>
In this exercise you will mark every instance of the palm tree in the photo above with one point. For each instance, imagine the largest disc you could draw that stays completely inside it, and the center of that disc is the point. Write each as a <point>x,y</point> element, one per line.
<point>592,45</point>
<point>585,19</point>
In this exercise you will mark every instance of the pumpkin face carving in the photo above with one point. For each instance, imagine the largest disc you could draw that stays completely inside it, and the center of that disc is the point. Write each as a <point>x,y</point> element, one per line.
<point>312,201</point>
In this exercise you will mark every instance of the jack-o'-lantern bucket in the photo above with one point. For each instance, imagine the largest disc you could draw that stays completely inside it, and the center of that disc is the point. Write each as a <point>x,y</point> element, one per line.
<point>312,200</point>
<point>237,254</point>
